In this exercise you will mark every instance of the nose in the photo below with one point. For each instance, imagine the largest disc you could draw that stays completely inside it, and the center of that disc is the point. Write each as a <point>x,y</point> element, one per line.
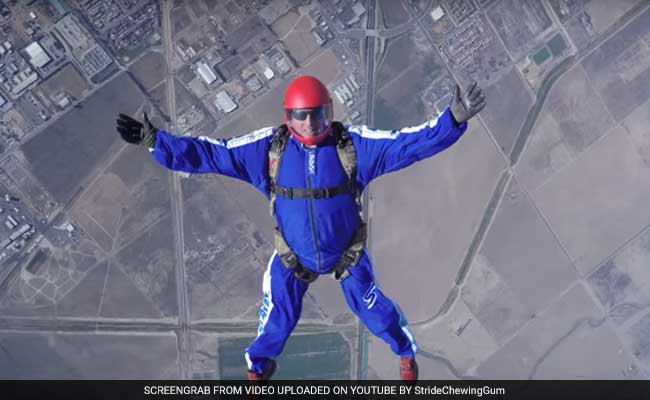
<point>310,120</point>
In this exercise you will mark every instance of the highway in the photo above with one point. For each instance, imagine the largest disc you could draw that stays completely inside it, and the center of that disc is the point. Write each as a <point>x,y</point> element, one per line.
<point>373,31</point>
<point>368,36</point>
<point>176,201</point>
<point>139,326</point>
<point>369,42</point>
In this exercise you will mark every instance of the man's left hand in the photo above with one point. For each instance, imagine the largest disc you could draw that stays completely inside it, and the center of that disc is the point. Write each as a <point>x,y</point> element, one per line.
<point>465,107</point>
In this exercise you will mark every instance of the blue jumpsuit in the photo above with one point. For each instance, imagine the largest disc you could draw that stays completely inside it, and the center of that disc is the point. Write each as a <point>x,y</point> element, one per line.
<point>317,230</point>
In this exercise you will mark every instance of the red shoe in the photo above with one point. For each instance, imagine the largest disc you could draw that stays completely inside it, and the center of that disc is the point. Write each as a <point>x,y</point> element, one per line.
<point>408,369</point>
<point>270,370</point>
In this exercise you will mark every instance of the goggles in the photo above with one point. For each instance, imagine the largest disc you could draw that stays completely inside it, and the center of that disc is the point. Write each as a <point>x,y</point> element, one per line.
<point>300,114</point>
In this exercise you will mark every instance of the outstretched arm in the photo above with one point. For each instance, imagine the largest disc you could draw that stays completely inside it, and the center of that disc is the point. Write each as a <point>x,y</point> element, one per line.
<point>383,151</point>
<point>242,157</point>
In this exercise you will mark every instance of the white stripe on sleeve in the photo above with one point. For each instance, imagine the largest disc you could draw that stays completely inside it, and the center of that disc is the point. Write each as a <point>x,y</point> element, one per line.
<point>241,140</point>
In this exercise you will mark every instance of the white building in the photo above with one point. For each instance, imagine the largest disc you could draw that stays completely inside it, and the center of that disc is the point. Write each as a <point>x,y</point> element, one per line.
<point>437,13</point>
<point>36,55</point>
<point>319,39</point>
<point>22,83</point>
<point>224,102</point>
<point>338,96</point>
<point>205,72</point>
<point>282,65</point>
<point>268,73</point>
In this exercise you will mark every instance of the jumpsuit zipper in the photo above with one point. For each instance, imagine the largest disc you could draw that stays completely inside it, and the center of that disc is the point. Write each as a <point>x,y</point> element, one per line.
<point>311,216</point>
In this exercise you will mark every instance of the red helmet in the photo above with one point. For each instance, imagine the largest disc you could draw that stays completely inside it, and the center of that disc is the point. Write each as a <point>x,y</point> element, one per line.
<point>306,96</point>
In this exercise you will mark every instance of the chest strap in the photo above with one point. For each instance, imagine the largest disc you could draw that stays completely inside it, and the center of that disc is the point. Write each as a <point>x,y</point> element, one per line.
<point>291,193</point>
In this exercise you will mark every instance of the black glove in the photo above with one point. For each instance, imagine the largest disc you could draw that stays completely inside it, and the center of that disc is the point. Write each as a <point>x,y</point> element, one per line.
<point>136,132</point>
<point>462,109</point>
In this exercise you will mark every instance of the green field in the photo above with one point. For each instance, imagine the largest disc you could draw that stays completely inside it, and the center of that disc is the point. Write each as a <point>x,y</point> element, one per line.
<point>557,44</point>
<point>541,56</point>
<point>310,356</point>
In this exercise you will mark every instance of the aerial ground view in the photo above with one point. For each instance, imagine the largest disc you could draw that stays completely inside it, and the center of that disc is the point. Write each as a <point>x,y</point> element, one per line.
<point>521,252</point>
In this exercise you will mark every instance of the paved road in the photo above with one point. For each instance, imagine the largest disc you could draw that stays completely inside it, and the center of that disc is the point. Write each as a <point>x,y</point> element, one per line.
<point>176,202</point>
<point>372,31</point>
<point>101,325</point>
<point>369,42</point>
<point>368,36</point>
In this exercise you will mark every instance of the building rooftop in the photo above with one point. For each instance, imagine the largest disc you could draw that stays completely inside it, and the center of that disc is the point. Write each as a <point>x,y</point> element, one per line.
<point>437,13</point>
<point>205,72</point>
<point>224,102</point>
<point>37,55</point>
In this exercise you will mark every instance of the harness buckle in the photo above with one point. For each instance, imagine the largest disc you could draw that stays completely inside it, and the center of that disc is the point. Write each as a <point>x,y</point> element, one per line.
<point>290,260</point>
<point>284,192</point>
<point>322,193</point>
<point>305,274</point>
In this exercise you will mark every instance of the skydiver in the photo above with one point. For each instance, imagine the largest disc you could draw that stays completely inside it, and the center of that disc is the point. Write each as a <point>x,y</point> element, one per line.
<point>313,170</point>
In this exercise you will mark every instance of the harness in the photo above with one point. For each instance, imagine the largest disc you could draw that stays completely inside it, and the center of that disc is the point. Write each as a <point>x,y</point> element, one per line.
<point>348,159</point>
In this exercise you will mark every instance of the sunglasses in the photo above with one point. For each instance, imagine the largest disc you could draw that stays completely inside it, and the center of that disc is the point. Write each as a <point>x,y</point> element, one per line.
<point>315,113</point>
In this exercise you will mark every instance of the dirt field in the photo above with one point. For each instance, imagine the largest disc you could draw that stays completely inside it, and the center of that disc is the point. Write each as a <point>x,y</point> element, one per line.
<point>99,211</point>
<point>68,151</point>
<point>401,54</point>
<point>620,68</point>
<point>504,117</point>
<point>68,79</point>
<point>326,67</point>
<point>300,42</point>
<point>149,262</point>
<point>285,24</point>
<point>147,199</point>
<point>89,356</point>
<point>408,66</point>
<point>149,70</point>
<point>604,13</point>
<point>225,252</point>
<point>393,12</point>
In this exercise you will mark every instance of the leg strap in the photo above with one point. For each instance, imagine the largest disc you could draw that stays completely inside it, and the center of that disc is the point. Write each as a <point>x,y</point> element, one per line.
<point>290,260</point>
<point>351,255</point>
<point>349,258</point>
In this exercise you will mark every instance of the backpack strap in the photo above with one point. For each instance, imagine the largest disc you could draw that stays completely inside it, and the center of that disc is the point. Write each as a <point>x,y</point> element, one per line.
<point>348,158</point>
<point>276,150</point>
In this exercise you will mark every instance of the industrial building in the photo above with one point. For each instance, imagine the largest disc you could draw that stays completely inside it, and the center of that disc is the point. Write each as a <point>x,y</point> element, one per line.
<point>224,102</point>
<point>36,55</point>
<point>205,72</point>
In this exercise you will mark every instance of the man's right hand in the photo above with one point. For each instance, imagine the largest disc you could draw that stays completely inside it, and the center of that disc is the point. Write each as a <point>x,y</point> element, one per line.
<point>136,132</point>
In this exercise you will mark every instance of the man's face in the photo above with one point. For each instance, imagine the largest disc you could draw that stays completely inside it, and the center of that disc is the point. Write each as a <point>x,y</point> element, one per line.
<point>309,123</point>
